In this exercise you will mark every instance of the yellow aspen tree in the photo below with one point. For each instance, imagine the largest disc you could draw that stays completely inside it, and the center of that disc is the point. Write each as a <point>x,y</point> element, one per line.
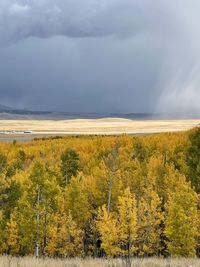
<point>149,221</point>
<point>106,188</point>
<point>12,235</point>
<point>127,218</point>
<point>111,163</point>
<point>76,200</point>
<point>107,225</point>
<point>3,199</point>
<point>38,202</point>
<point>26,217</point>
<point>182,222</point>
<point>65,237</point>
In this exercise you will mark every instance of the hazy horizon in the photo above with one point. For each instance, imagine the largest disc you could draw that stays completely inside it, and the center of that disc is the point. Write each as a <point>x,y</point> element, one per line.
<point>14,113</point>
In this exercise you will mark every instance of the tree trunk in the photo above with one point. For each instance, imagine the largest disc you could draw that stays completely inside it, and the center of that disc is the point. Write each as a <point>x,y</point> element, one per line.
<point>37,224</point>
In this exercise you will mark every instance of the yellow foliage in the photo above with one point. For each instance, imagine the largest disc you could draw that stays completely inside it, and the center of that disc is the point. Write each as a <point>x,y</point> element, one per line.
<point>108,227</point>
<point>135,186</point>
<point>65,237</point>
<point>182,224</point>
<point>12,235</point>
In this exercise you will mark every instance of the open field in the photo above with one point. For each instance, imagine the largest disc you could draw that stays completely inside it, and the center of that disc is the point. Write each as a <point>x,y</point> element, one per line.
<point>151,262</point>
<point>14,129</point>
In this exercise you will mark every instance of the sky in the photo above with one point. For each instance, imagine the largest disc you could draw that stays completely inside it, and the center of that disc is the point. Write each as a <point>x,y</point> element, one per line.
<point>105,56</point>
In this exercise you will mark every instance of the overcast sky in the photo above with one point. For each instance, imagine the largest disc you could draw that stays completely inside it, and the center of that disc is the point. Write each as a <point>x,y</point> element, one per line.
<point>100,55</point>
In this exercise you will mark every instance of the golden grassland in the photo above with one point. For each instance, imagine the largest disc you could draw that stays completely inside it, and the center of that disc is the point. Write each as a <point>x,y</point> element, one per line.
<point>147,262</point>
<point>98,126</point>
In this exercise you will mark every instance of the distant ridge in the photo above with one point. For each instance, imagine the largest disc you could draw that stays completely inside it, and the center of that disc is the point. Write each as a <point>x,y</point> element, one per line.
<point>7,112</point>
<point>4,108</point>
<point>15,111</point>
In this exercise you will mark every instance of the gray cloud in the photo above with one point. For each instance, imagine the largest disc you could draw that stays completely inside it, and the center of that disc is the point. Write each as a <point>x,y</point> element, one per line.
<point>75,18</point>
<point>108,55</point>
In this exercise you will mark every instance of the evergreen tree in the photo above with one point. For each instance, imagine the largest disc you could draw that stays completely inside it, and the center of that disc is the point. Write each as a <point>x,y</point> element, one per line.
<point>3,162</point>
<point>70,164</point>
<point>193,159</point>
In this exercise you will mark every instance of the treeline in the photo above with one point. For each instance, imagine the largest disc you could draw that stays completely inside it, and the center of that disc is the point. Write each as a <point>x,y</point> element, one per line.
<point>101,196</point>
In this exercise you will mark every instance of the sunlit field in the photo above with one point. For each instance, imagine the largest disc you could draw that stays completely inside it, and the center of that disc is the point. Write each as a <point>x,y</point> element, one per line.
<point>97,126</point>
<point>150,262</point>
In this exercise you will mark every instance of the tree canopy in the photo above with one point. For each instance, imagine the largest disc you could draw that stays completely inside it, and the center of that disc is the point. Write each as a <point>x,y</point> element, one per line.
<point>101,196</point>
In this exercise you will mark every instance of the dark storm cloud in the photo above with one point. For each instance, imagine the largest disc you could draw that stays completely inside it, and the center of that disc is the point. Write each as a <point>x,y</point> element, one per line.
<point>74,18</point>
<point>100,55</point>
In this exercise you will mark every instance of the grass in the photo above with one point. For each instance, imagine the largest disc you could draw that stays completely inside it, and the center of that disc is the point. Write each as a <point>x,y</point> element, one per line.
<point>97,126</point>
<point>148,262</point>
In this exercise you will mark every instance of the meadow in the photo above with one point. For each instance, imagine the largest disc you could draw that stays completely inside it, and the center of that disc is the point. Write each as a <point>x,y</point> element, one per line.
<point>148,262</point>
<point>97,126</point>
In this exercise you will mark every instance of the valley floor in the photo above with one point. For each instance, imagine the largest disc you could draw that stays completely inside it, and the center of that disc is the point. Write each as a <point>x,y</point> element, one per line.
<point>23,130</point>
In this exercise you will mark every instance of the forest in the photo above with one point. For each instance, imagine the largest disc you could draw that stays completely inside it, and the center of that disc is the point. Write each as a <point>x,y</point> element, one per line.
<point>101,196</point>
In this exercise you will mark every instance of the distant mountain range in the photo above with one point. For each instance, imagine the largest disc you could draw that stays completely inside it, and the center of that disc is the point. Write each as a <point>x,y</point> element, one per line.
<point>7,112</point>
<point>10,110</point>
<point>4,108</point>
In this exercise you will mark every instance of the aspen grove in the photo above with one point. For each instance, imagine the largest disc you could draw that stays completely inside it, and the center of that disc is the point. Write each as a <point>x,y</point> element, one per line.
<point>115,196</point>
